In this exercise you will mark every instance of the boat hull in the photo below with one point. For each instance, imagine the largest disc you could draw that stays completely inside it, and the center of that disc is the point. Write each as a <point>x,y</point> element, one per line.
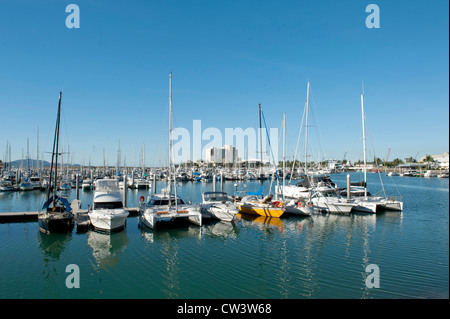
<point>260,210</point>
<point>151,219</point>
<point>56,223</point>
<point>296,210</point>
<point>220,211</point>
<point>108,220</point>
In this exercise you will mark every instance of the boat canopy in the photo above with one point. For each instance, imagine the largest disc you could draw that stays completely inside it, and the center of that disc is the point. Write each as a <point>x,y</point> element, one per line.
<point>215,196</point>
<point>61,199</point>
<point>106,185</point>
<point>255,193</point>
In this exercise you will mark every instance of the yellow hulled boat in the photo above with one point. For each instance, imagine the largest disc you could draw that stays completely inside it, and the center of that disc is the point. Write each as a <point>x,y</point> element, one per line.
<point>253,205</point>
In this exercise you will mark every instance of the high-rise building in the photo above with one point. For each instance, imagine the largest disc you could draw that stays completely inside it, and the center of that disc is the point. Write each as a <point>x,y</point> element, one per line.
<point>225,155</point>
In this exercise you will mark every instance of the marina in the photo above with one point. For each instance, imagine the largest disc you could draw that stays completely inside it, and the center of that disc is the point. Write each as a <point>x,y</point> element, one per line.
<point>259,257</point>
<point>299,150</point>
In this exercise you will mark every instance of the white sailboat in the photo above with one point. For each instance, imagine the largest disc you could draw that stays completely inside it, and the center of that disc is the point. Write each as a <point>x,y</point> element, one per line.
<point>302,206</point>
<point>331,203</point>
<point>165,207</point>
<point>366,203</point>
<point>311,182</point>
<point>218,205</point>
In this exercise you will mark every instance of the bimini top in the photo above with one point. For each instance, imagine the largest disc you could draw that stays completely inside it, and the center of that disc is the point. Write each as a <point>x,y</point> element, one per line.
<point>57,198</point>
<point>106,185</point>
<point>215,196</point>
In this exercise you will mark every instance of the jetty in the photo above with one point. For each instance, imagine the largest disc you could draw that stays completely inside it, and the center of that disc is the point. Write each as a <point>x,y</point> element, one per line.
<point>80,215</point>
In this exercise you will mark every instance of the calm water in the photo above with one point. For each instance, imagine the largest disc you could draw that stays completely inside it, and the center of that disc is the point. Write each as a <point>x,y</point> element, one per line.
<point>323,256</point>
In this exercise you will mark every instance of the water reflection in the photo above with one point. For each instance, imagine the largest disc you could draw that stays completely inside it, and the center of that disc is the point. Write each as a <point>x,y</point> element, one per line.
<point>107,248</point>
<point>52,247</point>
<point>265,223</point>
<point>220,229</point>
<point>168,238</point>
<point>169,232</point>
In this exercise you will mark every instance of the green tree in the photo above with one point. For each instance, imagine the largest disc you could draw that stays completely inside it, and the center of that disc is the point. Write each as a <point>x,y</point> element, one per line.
<point>428,158</point>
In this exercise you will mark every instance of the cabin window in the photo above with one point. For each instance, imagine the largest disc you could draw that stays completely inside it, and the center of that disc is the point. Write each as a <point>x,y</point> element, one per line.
<point>108,205</point>
<point>165,202</point>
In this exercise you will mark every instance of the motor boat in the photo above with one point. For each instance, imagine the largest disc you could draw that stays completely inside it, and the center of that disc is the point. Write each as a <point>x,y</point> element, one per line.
<point>107,213</point>
<point>86,184</point>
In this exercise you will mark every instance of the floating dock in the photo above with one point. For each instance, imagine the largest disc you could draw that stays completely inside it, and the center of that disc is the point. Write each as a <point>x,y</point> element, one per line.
<point>80,215</point>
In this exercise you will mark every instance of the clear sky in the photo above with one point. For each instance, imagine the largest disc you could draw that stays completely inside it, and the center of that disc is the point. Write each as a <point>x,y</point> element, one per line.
<point>226,57</point>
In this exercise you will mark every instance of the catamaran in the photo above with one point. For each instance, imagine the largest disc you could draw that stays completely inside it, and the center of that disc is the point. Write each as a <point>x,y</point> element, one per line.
<point>369,203</point>
<point>166,207</point>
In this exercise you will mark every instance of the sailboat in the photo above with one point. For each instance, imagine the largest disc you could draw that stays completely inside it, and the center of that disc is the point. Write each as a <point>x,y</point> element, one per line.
<point>304,189</point>
<point>299,206</point>
<point>166,207</point>
<point>218,205</point>
<point>371,204</point>
<point>56,214</point>
<point>251,204</point>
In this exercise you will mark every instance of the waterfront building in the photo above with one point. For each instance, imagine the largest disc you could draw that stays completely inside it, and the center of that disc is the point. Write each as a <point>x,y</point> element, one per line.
<point>224,155</point>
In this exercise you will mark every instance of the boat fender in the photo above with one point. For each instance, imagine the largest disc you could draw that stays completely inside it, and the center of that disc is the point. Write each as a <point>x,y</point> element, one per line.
<point>278,204</point>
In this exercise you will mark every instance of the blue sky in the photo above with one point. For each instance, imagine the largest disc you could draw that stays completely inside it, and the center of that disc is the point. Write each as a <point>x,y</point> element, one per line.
<point>226,57</point>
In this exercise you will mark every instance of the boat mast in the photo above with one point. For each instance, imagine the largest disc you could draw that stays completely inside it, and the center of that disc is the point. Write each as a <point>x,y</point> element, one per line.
<point>170,138</point>
<point>260,150</point>
<point>53,154</point>
<point>306,129</point>
<point>284,150</point>
<point>57,148</point>
<point>364,145</point>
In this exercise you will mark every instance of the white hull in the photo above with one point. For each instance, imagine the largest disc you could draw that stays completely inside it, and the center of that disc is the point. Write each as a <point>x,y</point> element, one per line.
<point>333,206</point>
<point>365,205</point>
<point>6,188</point>
<point>220,211</point>
<point>162,214</point>
<point>292,208</point>
<point>388,204</point>
<point>26,187</point>
<point>109,220</point>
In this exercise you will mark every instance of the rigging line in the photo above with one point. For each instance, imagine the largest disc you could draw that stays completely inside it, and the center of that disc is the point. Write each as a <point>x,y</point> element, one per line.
<point>270,148</point>
<point>298,142</point>
<point>375,157</point>
<point>317,123</point>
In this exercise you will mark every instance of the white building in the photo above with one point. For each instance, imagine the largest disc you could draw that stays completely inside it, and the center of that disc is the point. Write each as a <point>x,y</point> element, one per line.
<point>442,159</point>
<point>225,155</point>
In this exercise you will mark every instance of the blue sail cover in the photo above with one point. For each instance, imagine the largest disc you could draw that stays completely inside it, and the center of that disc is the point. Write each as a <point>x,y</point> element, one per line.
<point>256,193</point>
<point>61,199</point>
